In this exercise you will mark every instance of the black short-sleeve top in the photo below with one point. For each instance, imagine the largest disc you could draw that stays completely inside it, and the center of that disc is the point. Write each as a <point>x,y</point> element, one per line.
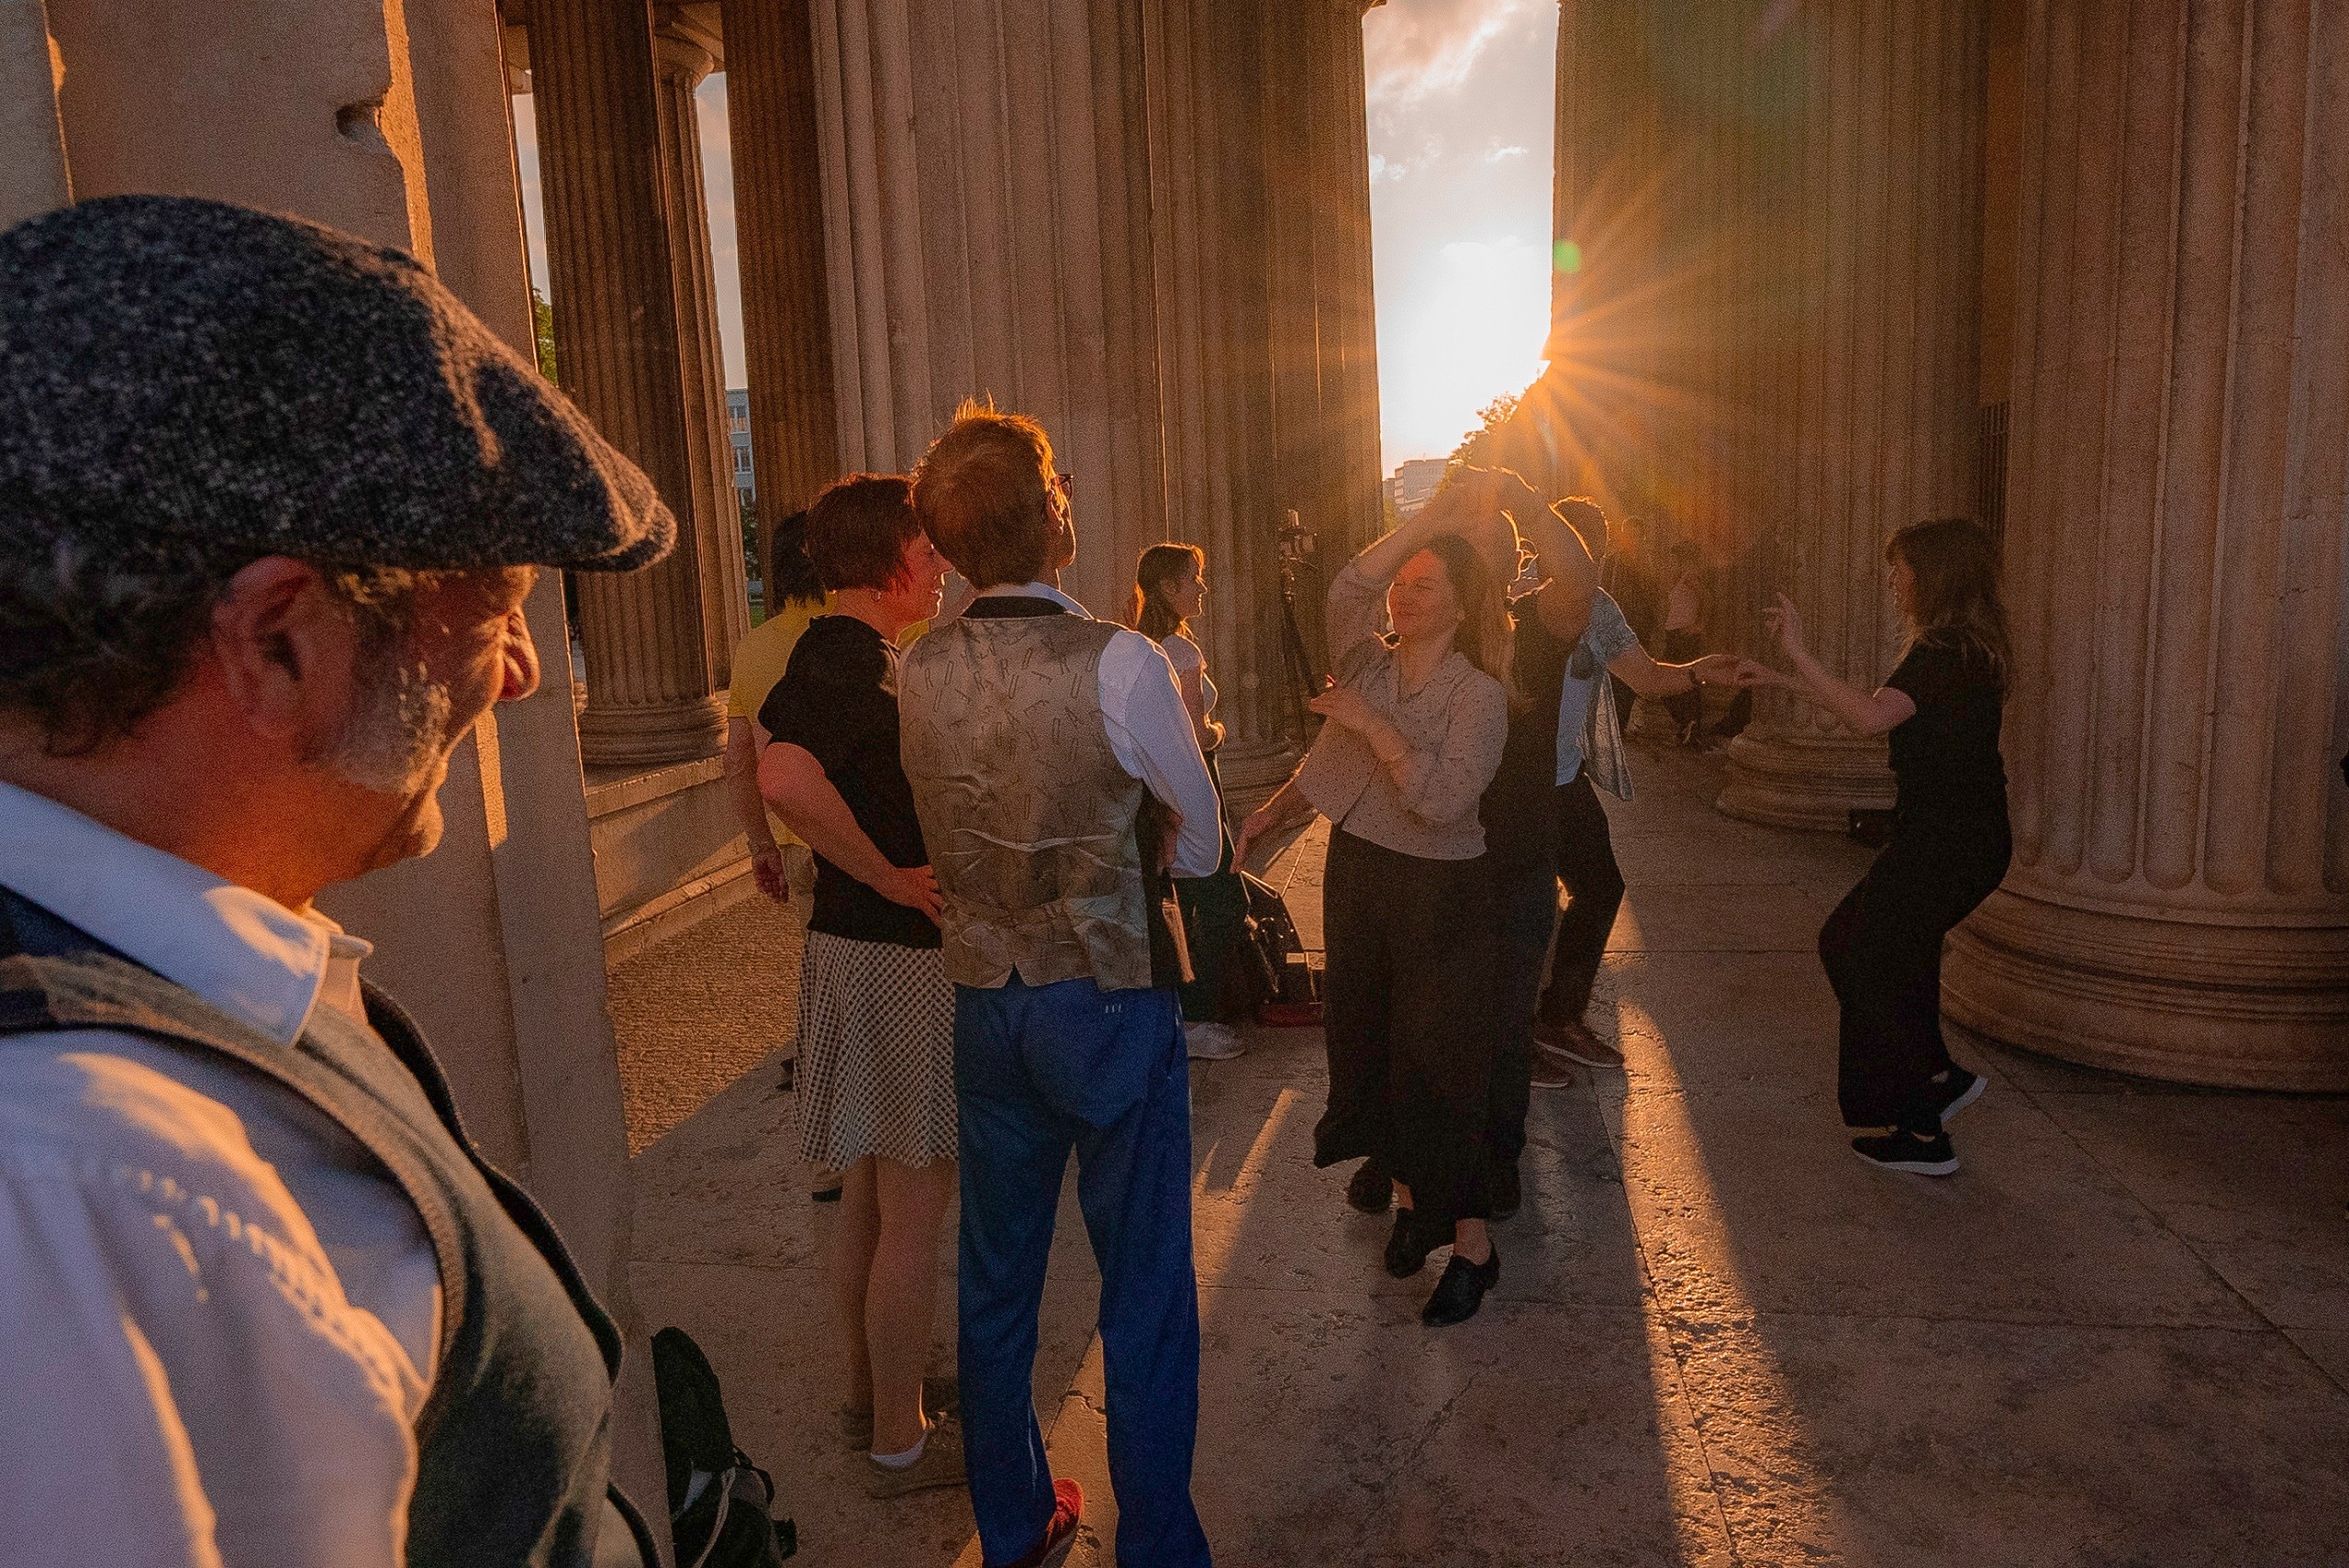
<point>838,700</point>
<point>1516,810</point>
<point>1945,756</point>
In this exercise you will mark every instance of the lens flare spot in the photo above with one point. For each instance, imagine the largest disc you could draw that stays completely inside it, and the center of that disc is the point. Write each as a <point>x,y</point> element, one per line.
<point>1567,256</point>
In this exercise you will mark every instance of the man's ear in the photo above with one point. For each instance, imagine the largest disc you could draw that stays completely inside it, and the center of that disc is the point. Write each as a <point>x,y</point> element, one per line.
<point>283,644</point>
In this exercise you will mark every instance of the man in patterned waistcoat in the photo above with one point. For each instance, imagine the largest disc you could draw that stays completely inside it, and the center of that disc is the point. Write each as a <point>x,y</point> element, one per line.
<point>1049,755</point>
<point>270,501</point>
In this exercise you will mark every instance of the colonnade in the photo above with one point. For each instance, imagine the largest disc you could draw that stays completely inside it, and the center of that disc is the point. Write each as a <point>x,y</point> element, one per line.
<point>1147,225</point>
<point>2177,493</point>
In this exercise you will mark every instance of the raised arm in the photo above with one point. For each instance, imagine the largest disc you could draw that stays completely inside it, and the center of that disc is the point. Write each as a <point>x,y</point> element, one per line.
<point>1864,713</point>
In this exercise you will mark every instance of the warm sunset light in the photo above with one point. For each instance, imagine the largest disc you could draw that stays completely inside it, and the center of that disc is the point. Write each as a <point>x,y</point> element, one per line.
<point>1459,95</point>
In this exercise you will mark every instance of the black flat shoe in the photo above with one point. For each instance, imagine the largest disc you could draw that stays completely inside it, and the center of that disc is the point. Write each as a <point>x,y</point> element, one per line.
<point>1461,1291</point>
<point>1408,1244</point>
<point>1371,1190</point>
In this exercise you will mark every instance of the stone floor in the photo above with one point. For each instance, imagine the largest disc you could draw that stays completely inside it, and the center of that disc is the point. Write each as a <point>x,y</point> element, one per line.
<point>2120,1337</point>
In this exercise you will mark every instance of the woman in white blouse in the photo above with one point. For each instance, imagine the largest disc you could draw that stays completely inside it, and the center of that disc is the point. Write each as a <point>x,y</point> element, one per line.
<point>1170,590</point>
<point>1415,728</point>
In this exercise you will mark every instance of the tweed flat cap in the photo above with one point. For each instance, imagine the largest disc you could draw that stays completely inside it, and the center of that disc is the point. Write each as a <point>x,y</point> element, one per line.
<point>184,376</point>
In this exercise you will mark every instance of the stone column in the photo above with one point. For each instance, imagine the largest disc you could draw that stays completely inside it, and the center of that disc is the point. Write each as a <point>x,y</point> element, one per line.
<point>684,52</point>
<point>1208,247</point>
<point>32,139</point>
<point>1877,430</point>
<point>2179,901</point>
<point>654,689</point>
<point>779,229</point>
<point>997,243</point>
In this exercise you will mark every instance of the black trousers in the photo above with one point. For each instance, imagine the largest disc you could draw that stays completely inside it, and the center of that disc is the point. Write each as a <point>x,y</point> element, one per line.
<point>1882,949</point>
<point>1407,1019</point>
<point>1594,893</point>
<point>1525,889</point>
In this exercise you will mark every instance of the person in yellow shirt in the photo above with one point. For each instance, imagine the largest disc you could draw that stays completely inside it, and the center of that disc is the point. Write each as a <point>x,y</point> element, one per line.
<point>793,596</point>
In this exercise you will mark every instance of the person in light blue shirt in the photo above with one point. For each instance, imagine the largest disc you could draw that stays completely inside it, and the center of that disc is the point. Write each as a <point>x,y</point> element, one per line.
<point>1590,758</point>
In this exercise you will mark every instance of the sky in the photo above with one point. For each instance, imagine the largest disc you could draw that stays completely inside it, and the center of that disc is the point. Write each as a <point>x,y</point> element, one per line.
<point>1460,107</point>
<point>1461,133</point>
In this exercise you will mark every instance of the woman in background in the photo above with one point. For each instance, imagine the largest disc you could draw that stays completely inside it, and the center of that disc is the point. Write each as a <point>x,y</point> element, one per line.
<point>793,596</point>
<point>1170,588</point>
<point>1950,846</point>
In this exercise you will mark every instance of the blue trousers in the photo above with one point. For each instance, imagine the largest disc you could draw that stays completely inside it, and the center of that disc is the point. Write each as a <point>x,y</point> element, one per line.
<point>1038,1071</point>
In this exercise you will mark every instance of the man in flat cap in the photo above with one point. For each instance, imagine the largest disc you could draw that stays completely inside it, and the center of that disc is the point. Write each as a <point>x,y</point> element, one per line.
<point>270,503</point>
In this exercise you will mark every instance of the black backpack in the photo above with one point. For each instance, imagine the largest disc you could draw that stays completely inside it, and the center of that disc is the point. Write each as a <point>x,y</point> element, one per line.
<point>718,1498</point>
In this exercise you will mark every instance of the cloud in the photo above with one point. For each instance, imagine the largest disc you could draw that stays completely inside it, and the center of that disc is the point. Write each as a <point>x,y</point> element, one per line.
<point>1501,154</point>
<point>1415,47</point>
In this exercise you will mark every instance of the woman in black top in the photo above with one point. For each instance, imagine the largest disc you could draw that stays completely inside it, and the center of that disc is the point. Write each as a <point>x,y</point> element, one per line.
<point>876,1081</point>
<point>1882,947</point>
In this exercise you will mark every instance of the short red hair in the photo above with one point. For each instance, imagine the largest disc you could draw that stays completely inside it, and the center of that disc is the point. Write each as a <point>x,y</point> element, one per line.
<point>983,493</point>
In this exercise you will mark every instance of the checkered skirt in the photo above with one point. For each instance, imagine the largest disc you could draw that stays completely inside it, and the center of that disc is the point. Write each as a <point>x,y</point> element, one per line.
<point>876,1053</point>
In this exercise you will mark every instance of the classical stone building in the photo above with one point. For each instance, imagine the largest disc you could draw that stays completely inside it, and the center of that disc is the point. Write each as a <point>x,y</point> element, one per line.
<point>1818,261</point>
<point>1815,262</point>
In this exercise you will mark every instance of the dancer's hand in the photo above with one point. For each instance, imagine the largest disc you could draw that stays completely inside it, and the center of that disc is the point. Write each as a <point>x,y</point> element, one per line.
<point>1786,621</point>
<point>1716,669</point>
<point>1259,823</point>
<point>1343,705</point>
<point>916,887</point>
<point>1752,673</point>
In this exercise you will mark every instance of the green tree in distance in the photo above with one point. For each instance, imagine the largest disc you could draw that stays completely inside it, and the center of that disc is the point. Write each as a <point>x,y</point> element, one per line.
<point>542,318</point>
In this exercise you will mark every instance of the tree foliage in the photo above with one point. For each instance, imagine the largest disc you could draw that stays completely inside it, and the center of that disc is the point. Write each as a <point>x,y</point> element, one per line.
<point>542,320</point>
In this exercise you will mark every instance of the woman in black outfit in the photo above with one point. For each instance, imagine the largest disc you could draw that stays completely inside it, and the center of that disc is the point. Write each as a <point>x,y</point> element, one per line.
<point>1882,947</point>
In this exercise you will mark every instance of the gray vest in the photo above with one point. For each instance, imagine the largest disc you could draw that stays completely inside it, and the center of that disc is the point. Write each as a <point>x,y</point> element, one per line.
<point>1030,821</point>
<point>514,1442</point>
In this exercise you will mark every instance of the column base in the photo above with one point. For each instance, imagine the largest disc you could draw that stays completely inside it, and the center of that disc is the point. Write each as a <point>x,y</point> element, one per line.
<point>2233,1006</point>
<point>1812,781</point>
<point>633,736</point>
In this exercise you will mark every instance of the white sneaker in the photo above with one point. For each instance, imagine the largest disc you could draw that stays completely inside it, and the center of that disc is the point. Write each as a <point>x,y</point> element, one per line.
<point>1212,1042</point>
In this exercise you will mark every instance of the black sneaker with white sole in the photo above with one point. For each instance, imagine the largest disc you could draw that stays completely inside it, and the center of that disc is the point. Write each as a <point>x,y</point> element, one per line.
<point>1958,1089</point>
<point>1908,1151</point>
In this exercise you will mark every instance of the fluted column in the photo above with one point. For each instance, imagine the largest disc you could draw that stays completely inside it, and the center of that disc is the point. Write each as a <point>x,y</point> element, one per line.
<point>2179,901</point>
<point>779,229</point>
<point>1878,429</point>
<point>997,243</point>
<point>653,688</point>
<point>682,54</point>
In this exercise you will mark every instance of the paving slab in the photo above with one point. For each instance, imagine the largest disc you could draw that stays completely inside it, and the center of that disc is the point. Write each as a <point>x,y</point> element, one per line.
<point>2115,1338</point>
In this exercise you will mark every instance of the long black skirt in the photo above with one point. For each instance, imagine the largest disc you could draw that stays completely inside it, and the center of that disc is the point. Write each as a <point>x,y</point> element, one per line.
<point>1408,1015</point>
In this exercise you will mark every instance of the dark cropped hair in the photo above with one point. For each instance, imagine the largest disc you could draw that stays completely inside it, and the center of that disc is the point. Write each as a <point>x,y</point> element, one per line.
<point>1149,614</point>
<point>983,493</point>
<point>857,530</point>
<point>1956,568</point>
<point>790,577</point>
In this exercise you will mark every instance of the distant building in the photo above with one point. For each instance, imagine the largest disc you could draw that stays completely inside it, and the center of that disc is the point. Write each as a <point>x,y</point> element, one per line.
<point>738,431</point>
<point>1414,483</point>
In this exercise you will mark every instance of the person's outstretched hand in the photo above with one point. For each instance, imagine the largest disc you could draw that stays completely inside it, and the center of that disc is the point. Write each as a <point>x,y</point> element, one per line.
<point>916,887</point>
<point>1716,669</point>
<point>1786,621</point>
<point>1752,673</point>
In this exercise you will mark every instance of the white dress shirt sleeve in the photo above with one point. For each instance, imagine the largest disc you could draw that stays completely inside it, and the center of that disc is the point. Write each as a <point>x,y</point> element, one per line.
<point>1152,738</point>
<point>186,1383</point>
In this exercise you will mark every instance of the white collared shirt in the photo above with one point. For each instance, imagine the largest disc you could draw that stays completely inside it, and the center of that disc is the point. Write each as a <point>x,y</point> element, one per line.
<point>1150,730</point>
<point>221,1311</point>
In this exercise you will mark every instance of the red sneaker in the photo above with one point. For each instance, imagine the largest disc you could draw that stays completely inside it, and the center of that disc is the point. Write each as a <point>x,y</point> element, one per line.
<point>1068,1507</point>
